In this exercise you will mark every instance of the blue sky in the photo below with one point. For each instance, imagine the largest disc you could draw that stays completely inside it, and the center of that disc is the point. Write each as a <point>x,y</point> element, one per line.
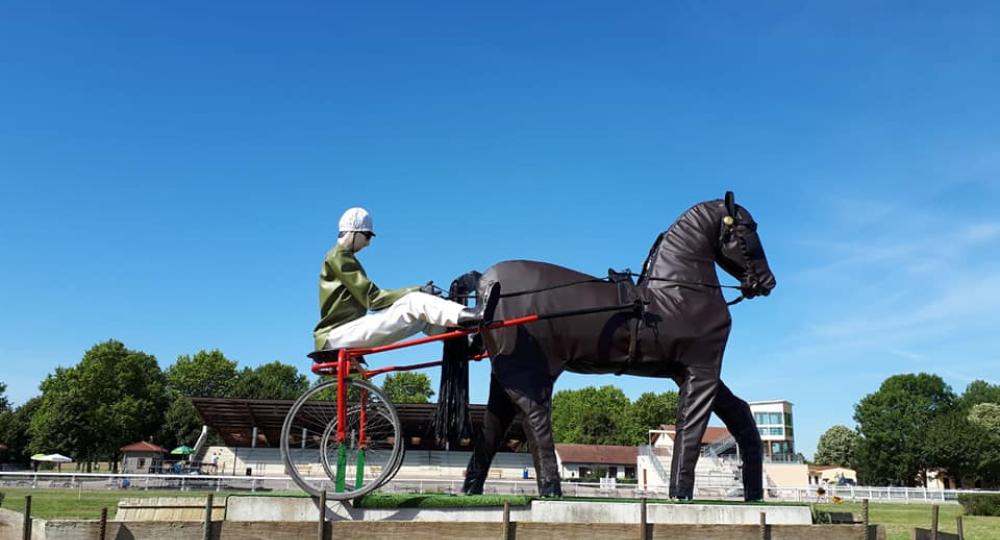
<point>171,176</point>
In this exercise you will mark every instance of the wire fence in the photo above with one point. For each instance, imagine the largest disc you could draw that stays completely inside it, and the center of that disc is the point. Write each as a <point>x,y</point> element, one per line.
<point>452,485</point>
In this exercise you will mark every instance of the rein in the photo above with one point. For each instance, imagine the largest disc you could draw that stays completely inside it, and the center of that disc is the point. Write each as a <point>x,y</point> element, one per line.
<point>676,282</point>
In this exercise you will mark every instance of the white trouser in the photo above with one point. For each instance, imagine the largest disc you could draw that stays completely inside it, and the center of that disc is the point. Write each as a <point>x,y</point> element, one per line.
<point>415,312</point>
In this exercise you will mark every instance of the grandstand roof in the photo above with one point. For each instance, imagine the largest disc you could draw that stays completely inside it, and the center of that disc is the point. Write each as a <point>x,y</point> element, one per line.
<point>597,453</point>
<point>234,420</point>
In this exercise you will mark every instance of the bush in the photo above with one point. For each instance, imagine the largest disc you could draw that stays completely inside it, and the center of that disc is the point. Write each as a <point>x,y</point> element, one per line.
<point>980,504</point>
<point>1,498</point>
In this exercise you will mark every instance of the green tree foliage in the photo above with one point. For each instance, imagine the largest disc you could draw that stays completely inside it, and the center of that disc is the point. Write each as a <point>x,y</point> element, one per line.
<point>986,416</point>
<point>893,423</point>
<point>593,416</point>
<point>270,381</point>
<point>980,392</point>
<point>14,434</point>
<point>113,397</point>
<point>966,441</point>
<point>181,424</point>
<point>651,411</point>
<point>4,404</point>
<point>206,374</point>
<point>836,447</point>
<point>408,387</point>
<point>961,447</point>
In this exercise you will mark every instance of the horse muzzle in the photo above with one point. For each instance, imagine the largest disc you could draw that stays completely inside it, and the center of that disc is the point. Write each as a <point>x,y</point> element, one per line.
<point>758,286</point>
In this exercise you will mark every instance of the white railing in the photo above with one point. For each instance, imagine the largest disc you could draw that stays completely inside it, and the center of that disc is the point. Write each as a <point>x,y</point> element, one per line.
<point>704,488</point>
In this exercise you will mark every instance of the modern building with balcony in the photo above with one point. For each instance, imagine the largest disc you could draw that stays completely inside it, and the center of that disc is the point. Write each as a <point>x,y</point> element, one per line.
<point>774,422</point>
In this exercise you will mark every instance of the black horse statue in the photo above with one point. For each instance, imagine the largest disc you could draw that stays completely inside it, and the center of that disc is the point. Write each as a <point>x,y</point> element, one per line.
<point>673,322</point>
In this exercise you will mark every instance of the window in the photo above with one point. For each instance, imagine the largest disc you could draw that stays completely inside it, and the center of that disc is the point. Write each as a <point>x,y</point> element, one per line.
<point>775,432</point>
<point>774,418</point>
<point>788,418</point>
<point>612,472</point>
<point>759,418</point>
<point>788,431</point>
<point>142,463</point>
<point>629,472</point>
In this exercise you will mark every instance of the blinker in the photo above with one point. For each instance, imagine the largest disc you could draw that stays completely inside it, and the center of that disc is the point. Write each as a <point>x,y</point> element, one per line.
<point>728,220</point>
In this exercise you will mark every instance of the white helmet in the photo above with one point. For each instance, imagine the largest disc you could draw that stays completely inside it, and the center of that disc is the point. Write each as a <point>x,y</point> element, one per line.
<point>356,220</point>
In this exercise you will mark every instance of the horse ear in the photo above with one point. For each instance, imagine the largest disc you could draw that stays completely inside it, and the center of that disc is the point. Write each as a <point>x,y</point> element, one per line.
<point>731,203</point>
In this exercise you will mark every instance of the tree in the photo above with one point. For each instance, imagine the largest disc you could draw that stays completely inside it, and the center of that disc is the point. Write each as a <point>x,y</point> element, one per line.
<point>181,424</point>
<point>270,381</point>
<point>893,422</point>
<point>113,397</point>
<point>206,374</point>
<point>4,404</point>
<point>651,411</point>
<point>408,387</point>
<point>14,434</point>
<point>960,447</point>
<point>986,416</point>
<point>593,416</point>
<point>836,447</point>
<point>980,391</point>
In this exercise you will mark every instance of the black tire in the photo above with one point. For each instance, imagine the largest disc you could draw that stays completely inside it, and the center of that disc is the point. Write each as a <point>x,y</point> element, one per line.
<point>308,440</point>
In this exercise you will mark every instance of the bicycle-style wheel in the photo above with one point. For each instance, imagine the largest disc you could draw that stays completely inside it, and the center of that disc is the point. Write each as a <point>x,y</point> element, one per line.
<point>346,463</point>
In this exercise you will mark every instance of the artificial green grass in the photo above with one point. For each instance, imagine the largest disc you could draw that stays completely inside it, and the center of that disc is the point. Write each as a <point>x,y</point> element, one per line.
<point>899,520</point>
<point>407,500</point>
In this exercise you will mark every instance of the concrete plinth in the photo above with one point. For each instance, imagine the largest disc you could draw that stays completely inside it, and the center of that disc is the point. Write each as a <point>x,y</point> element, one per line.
<point>302,509</point>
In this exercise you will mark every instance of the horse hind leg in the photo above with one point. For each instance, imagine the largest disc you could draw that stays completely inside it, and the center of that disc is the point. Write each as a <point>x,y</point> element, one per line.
<point>500,412</point>
<point>537,409</point>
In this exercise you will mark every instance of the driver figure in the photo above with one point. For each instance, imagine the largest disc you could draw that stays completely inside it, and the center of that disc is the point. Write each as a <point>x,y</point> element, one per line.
<point>356,313</point>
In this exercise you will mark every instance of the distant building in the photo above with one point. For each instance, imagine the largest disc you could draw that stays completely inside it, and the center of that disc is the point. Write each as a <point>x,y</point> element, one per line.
<point>141,457</point>
<point>774,422</point>
<point>590,460</point>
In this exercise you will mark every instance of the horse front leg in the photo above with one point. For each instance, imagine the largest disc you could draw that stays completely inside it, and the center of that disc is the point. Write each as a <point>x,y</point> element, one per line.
<point>500,413</point>
<point>735,413</point>
<point>698,387</point>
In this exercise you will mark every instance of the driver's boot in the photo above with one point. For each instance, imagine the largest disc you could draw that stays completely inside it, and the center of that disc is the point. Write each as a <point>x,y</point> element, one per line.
<point>483,313</point>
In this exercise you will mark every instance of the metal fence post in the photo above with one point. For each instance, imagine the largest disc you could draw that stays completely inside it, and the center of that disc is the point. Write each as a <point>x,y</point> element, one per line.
<point>865,516</point>
<point>958,522</point>
<point>322,515</point>
<point>208,517</point>
<point>934,521</point>
<point>505,534</point>
<point>103,530</point>
<point>763,526</point>
<point>26,529</point>
<point>642,519</point>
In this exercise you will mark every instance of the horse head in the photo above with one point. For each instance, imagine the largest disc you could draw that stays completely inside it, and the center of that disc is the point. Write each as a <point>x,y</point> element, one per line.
<point>739,251</point>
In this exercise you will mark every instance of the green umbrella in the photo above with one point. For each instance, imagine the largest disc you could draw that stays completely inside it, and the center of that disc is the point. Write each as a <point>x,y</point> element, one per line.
<point>182,450</point>
<point>39,457</point>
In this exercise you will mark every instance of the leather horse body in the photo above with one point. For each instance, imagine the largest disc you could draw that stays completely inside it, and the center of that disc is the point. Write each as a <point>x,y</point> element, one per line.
<point>681,334</point>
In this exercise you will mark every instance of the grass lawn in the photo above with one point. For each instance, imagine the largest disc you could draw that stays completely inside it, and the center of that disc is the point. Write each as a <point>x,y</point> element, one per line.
<point>71,504</point>
<point>900,519</point>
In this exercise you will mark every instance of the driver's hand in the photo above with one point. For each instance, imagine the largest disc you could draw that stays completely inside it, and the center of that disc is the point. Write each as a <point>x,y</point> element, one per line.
<point>431,288</point>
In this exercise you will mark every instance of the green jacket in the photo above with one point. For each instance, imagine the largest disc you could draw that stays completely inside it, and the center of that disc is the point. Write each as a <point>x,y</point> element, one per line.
<point>346,293</point>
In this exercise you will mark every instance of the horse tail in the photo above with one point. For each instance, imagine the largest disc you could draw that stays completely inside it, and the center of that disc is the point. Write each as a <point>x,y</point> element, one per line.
<point>452,421</point>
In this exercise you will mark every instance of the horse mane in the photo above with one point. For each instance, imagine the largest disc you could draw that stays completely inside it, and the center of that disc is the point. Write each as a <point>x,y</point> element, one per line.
<point>688,215</point>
